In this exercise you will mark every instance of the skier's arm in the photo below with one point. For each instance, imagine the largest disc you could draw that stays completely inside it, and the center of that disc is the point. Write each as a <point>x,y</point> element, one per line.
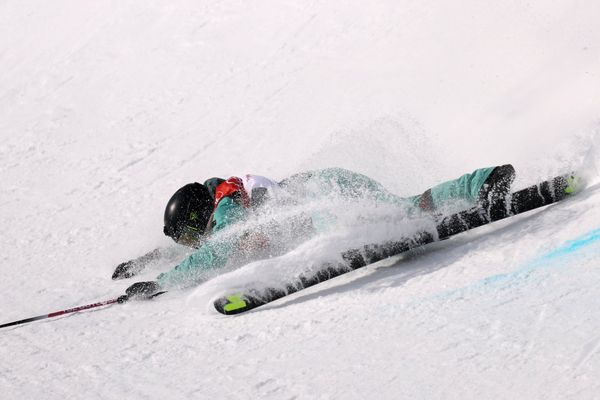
<point>214,252</point>
<point>133,267</point>
<point>191,271</point>
<point>226,214</point>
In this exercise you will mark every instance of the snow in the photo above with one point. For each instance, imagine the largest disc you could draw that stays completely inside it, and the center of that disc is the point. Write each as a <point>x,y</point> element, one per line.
<point>106,108</point>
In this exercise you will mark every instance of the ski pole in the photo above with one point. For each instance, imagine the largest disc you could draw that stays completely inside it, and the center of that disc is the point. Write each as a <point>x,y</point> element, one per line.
<point>120,299</point>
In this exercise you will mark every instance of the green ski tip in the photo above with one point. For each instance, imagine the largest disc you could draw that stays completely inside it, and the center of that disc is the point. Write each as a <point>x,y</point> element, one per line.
<point>574,184</point>
<point>235,302</point>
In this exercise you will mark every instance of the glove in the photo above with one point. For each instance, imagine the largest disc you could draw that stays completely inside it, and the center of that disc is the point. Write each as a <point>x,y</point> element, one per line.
<point>143,290</point>
<point>124,270</point>
<point>134,267</point>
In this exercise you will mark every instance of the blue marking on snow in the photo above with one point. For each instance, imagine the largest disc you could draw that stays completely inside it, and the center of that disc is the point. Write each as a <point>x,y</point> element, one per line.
<point>560,257</point>
<point>573,246</point>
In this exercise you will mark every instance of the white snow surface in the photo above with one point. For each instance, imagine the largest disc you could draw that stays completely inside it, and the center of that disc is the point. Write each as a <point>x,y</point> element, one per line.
<point>107,107</point>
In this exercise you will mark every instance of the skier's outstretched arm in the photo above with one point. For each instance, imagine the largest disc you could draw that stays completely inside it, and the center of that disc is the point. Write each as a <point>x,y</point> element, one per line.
<point>214,253</point>
<point>133,267</point>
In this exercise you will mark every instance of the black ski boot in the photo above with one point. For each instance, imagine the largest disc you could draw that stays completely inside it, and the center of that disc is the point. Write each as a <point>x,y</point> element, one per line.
<point>493,195</point>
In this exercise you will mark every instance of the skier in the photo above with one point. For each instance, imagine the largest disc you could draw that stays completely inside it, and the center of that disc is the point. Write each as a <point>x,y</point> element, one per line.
<point>197,211</point>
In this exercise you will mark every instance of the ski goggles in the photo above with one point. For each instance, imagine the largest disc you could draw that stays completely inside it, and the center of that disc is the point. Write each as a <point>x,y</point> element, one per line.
<point>186,236</point>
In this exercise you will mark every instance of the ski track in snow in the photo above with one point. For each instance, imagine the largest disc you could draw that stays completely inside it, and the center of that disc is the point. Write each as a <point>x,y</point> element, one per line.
<point>107,108</point>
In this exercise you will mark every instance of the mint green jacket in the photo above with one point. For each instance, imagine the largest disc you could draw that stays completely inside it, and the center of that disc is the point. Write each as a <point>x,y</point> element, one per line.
<point>216,251</point>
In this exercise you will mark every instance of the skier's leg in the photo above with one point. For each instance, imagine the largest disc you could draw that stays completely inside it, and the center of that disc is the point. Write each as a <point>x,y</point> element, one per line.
<point>337,181</point>
<point>469,189</point>
<point>296,184</point>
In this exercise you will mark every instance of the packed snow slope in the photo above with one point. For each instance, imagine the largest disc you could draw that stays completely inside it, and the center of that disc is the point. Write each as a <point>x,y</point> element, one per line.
<point>106,108</point>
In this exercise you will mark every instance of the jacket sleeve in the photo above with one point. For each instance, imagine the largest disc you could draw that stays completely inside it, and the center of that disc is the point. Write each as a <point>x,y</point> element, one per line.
<point>214,253</point>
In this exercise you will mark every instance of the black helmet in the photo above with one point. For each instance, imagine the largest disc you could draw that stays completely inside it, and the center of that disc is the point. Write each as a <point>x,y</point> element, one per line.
<point>187,214</point>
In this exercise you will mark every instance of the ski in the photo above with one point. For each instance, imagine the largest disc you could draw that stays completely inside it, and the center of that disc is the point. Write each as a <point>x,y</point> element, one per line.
<point>536,196</point>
